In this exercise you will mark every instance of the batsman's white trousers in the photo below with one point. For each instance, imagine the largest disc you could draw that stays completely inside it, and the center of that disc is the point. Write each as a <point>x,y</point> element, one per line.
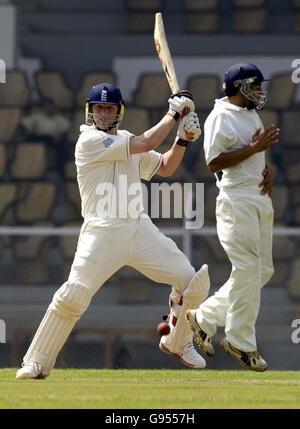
<point>245,230</point>
<point>138,243</point>
<point>101,251</point>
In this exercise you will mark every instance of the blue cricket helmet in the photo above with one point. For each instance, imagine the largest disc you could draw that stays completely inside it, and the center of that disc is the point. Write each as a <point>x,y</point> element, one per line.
<point>238,73</point>
<point>105,93</point>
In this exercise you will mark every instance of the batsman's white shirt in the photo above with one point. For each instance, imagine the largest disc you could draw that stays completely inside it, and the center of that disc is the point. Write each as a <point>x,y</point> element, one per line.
<point>107,243</point>
<point>106,172</point>
<point>244,225</point>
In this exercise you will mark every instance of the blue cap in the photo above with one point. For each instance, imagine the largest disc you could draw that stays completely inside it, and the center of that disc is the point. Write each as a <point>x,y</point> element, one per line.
<point>105,93</point>
<point>240,72</point>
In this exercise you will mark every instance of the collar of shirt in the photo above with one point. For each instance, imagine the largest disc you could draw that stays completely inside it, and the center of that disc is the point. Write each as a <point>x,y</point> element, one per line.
<point>220,102</point>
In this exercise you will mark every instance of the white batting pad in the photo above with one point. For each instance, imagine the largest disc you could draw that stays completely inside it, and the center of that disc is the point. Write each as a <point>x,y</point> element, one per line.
<point>68,304</point>
<point>193,296</point>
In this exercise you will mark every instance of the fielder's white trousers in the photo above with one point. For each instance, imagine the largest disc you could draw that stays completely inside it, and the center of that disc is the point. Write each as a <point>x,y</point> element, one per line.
<point>245,230</point>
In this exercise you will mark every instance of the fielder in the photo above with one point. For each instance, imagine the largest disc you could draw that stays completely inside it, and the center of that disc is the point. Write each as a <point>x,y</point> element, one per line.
<point>235,146</point>
<point>110,238</point>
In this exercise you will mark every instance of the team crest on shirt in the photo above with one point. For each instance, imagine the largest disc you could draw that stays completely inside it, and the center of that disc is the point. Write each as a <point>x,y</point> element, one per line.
<point>108,141</point>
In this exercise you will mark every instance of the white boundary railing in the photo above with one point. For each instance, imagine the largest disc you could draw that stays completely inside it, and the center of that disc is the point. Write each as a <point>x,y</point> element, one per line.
<point>187,234</point>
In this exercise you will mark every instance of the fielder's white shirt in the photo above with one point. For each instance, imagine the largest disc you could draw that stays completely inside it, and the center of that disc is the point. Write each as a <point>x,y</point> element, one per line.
<point>109,178</point>
<point>228,128</point>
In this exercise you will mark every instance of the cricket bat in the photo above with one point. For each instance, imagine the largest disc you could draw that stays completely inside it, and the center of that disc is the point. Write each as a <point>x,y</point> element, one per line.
<point>164,56</point>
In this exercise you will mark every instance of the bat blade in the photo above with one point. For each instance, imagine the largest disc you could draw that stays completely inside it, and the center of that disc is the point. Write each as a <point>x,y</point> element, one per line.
<point>163,52</point>
<point>164,55</point>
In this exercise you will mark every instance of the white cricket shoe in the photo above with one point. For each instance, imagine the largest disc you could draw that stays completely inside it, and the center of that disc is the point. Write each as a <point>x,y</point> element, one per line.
<point>31,370</point>
<point>202,339</point>
<point>189,356</point>
<point>250,360</point>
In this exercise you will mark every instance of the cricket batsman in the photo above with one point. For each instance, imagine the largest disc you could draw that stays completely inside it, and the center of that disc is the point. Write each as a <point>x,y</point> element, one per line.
<point>112,237</point>
<point>235,144</point>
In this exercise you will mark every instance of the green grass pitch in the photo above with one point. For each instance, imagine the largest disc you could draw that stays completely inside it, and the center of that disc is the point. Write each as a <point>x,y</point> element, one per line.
<point>151,389</point>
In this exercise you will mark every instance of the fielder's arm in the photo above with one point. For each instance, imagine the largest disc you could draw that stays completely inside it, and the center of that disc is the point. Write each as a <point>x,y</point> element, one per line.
<point>259,143</point>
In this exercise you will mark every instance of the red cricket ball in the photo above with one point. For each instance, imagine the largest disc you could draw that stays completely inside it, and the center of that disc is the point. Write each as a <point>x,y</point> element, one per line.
<point>163,328</point>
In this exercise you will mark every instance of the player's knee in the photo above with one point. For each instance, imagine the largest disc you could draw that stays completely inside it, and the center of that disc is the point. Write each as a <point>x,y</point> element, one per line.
<point>71,300</point>
<point>184,277</point>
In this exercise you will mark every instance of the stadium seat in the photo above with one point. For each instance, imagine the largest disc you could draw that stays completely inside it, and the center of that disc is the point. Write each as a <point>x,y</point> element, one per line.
<point>248,3</point>
<point>280,198</point>
<point>140,22</point>
<point>74,201</point>
<point>269,117</point>
<point>8,192</point>
<point>9,122</point>
<point>143,5</point>
<point>198,5</point>
<point>88,81</point>
<point>292,173</point>
<point>290,128</point>
<point>296,22</point>
<point>70,170</point>
<point>78,118</point>
<point>136,120</point>
<point>284,247</point>
<point>153,91</point>
<point>281,91</point>
<point>32,253</point>
<point>37,202</point>
<point>251,20</point>
<point>202,22</point>
<point>213,243</point>
<point>30,161</point>
<point>293,282</point>
<point>3,160</point>
<point>134,286</point>
<point>205,89</point>
<point>15,92</point>
<point>51,84</point>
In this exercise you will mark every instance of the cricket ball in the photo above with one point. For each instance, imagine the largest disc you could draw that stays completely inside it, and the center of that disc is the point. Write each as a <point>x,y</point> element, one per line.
<point>163,328</point>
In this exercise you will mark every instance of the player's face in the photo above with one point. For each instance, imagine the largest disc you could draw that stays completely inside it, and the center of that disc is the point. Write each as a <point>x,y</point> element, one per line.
<point>104,115</point>
<point>258,92</point>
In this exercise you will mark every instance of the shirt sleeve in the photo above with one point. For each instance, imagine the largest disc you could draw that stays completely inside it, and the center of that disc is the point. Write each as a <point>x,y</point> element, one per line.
<point>218,137</point>
<point>149,164</point>
<point>94,146</point>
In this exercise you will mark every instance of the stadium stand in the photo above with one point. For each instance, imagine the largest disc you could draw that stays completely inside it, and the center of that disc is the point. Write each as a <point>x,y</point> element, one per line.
<point>88,81</point>
<point>16,91</point>
<point>51,85</point>
<point>30,196</point>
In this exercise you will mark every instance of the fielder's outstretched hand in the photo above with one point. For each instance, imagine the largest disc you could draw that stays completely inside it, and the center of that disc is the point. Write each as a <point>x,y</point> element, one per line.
<point>189,127</point>
<point>263,141</point>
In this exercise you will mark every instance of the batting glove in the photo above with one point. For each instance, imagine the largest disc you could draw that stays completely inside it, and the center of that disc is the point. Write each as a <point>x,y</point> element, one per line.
<point>189,129</point>
<point>180,104</point>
